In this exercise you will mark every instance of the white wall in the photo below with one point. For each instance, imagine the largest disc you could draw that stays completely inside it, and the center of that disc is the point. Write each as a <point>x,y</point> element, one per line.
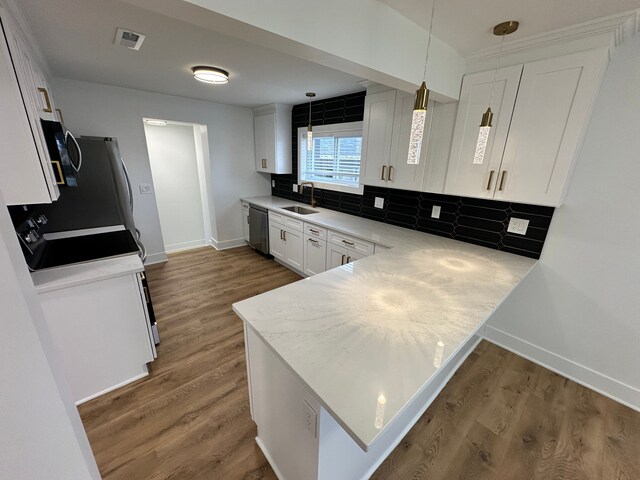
<point>174,164</point>
<point>41,435</point>
<point>579,311</point>
<point>94,109</point>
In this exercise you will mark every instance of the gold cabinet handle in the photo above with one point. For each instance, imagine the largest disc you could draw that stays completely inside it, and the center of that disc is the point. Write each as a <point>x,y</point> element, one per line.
<point>264,163</point>
<point>284,234</point>
<point>281,232</point>
<point>348,259</point>
<point>315,242</point>
<point>501,187</point>
<point>58,166</point>
<point>390,177</point>
<point>47,100</point>
<point>384,170</point>
<point>348,243</point>
<point>146,294</point>
<point>59,112</point>
<point>490,178</point>
<point>316,232</point>
<point>343,257</point>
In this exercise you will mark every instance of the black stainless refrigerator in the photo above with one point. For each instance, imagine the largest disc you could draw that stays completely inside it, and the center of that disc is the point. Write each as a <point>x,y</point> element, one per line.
<point>102,198</point>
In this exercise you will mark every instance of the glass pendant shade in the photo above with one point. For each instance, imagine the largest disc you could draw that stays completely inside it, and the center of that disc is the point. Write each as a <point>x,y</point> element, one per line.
<point>417,124</point>
<point>483,137</point>
<point>309,138</point>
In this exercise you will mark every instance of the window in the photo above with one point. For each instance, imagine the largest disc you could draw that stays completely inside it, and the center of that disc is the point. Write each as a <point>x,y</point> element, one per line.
<point>334,160</point>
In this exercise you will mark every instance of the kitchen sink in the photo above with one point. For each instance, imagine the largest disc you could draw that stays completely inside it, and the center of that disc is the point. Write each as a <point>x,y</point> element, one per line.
<point>300,210</point>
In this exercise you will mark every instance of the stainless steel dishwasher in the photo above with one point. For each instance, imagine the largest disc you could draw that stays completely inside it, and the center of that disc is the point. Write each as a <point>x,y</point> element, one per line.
<point>259,229</point>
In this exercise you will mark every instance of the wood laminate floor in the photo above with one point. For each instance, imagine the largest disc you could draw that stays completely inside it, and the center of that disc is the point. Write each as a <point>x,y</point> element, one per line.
<point>500,417</point>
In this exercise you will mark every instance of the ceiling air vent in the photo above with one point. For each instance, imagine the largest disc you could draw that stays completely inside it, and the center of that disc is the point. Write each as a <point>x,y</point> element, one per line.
<point>129,39</point>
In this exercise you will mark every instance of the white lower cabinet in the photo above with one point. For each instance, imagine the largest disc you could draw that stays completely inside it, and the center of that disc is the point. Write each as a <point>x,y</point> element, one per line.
<point>343,249</point>
<point>315,255</point>
<point>286,244</point>
<point>245,221</point>
<point>101,332</point>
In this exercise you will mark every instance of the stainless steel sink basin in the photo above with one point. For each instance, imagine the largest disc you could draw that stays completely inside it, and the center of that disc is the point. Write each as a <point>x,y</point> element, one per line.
<point>300,210</point>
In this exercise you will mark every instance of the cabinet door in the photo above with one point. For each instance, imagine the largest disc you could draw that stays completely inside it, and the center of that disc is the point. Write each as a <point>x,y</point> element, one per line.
<point>463,176</point>
<point>352,256</point>
<point>439,146</point>
<point>315,255</point>
<point>336,256</point>
<point>27,171</point>
<point>377,131</point>
<point>554,104</point>
<point>294,249</point>
<point>265,140</point>
<point>276,241</point>
<point>402,175</point>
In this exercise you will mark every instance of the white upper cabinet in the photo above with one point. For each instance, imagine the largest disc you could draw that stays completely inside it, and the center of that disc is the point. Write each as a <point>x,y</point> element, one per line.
<point>463,176</point>
<point>272,131</point>
<point>385,143</point>
<point>541,111</point>
<point>552,111</point>
<point>28,174</point>
<point>377,131</point>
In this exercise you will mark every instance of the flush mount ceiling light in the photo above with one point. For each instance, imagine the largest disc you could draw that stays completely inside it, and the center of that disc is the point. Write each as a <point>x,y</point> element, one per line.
<point>212,75</point>
<point>156,123</point>
<point>420,105</point>
<point>502,29</point>
<point>309,128</point>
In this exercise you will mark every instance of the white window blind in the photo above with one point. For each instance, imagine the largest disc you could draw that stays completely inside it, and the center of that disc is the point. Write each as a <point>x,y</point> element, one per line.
<point>335,156</point>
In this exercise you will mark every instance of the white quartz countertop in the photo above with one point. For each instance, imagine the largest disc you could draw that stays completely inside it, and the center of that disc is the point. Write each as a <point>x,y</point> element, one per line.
<point>71,275</point>
<point>379,328</point>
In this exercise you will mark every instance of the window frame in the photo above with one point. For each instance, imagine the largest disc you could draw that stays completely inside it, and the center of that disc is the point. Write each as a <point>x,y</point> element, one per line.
<point>339,128</point>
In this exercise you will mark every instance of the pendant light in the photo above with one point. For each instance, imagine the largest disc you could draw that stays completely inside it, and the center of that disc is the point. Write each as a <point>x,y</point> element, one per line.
<point>502,29</point>
<point>309,128</point>
<point>420,106</point>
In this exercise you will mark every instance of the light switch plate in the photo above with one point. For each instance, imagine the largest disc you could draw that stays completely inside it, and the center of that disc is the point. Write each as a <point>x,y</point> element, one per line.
<point>295,187</point>
<point>145,188</point>
<point>518,225</point>
<point>379,202</point>
<point>435,211</point>
<point>273,183</point>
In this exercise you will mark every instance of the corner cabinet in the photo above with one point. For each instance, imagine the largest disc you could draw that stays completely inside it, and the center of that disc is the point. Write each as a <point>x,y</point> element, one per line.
<point>28,175</point>
<point>541,110</point>
<point>385,143</point>
<point>272,131</point>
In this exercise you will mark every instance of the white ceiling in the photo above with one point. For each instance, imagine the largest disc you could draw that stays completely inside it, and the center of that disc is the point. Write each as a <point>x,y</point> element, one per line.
<point>76,38</point>
<point>467,25</point>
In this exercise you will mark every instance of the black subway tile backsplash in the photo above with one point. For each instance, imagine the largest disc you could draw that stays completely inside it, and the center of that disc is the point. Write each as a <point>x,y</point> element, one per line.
<point>478,221</point>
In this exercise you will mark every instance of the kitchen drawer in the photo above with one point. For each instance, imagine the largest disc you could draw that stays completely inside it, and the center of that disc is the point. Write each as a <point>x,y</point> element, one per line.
<point>314,231</point>
<point>289,222</point>
<point>353,243</point>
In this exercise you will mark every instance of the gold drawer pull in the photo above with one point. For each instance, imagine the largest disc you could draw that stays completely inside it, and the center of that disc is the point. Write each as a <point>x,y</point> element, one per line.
<point>351,244</point>
<point>58,166</point>
<point>501,187</point>
<point>490,178</point>
<point>315,242</point>
<point>314,231</point>
<point>47,100</point>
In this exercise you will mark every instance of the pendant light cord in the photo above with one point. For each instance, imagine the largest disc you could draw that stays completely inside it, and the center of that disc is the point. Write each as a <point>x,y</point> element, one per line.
<point>426,58</point>
<point>495,73</point>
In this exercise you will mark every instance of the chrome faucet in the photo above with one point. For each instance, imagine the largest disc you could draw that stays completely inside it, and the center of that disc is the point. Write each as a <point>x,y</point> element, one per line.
<point>301,191</point>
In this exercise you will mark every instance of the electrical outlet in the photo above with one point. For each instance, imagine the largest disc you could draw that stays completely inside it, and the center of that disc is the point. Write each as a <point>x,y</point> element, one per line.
<point>379,202</point>
<point>295,187</point>
<point>435,211</point>
<point>145,188</point>
<point>273,183</point>
<point>310,419</point>
<point>518,225</point>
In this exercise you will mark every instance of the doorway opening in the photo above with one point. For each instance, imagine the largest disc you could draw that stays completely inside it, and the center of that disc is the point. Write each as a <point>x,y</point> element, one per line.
<point>179,153</point>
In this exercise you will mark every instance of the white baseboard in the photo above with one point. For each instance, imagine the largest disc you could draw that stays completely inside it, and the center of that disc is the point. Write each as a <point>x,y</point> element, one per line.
<point>110,389</point>
<point>155,258</point>
<point>269,459</point>
<point>226,244</point>
<point>607,386</point>
<point>179,247</point>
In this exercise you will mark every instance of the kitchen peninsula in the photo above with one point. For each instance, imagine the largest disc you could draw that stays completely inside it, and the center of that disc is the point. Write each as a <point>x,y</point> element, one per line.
<point>342,364</point>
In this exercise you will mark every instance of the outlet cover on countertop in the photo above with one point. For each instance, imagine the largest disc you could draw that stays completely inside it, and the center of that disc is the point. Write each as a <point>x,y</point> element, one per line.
<point>435,211</point>
<point>518,225</point>
<point>378,202</point>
